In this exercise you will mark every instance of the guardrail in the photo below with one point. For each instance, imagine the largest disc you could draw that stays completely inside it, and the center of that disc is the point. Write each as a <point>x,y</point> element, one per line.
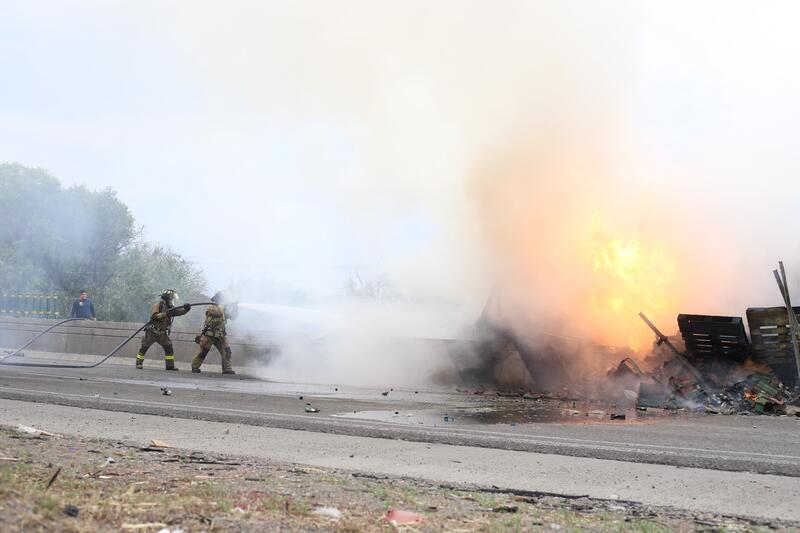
<point>31,305</point>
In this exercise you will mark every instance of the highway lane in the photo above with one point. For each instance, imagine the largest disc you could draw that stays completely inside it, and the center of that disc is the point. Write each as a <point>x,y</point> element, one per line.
<point>769,445</point>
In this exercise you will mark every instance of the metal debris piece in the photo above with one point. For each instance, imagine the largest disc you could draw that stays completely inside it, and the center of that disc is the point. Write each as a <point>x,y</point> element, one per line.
<point>53,479</point>
<point>663,339</point>
<point>794,326</point>
<point>627,367</point>
<point>71,510</point>
<point>652,395</point>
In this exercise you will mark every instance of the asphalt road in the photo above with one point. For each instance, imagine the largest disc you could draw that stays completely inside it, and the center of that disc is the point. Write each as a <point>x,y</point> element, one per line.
<point>760,444</point>
<point>759,497</point>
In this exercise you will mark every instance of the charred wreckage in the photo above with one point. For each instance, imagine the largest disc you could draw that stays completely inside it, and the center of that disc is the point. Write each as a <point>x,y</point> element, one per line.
<point>713,366</point>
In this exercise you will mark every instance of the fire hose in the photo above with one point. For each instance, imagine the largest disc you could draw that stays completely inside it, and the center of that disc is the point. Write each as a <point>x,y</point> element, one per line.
<point>100,362</point>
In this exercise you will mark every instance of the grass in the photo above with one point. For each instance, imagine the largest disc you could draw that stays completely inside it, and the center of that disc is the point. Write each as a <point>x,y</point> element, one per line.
<point>146,489</point>
<point>511,523</point>
<point>488,501</point>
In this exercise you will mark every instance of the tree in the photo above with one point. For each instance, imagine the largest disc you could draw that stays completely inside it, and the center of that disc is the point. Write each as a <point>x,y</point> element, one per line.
<point>143,271</point>
<point>26,197</point>
<point>55,239</point>
<point>89,232</point>
<point>70,238</point>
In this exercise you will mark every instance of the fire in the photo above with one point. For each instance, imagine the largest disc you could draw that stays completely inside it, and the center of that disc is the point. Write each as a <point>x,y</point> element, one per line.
<point>629,276</point>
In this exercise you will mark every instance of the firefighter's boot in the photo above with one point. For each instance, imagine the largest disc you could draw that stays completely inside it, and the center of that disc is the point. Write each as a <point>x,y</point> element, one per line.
<point>139,361</point>
<point>169,362</point>
<point>197,362</point>
<point>226,362</point>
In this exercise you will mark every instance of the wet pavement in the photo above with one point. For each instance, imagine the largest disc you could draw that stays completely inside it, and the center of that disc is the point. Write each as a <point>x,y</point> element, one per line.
<point>502,411</point>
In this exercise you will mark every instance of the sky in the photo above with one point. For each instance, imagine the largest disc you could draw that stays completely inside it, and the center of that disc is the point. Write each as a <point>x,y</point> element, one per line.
<point>307,141</point>
<point>102,95</point>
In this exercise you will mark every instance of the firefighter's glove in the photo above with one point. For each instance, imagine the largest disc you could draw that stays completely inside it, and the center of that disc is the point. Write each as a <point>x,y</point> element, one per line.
<point>186,307</point>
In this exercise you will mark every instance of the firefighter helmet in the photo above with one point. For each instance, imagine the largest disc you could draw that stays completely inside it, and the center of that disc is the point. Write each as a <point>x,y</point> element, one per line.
<point>219,298</point>
<point>169,294</point>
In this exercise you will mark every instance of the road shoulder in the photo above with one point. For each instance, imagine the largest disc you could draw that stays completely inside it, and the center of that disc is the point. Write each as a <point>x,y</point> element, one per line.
<point>760,497</point>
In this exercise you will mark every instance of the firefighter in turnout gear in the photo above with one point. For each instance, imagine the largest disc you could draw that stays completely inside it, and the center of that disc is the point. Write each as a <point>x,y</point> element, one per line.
<point>214,334</point>
<point>157,330</point>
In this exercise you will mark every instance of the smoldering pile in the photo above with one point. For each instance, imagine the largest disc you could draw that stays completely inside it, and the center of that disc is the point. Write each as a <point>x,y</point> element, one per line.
<point>719,370</point>
<point>671,386</point>
<point>711,367</point>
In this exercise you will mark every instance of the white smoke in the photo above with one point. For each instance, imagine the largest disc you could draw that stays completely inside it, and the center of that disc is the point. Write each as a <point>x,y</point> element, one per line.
<point>453,145</point>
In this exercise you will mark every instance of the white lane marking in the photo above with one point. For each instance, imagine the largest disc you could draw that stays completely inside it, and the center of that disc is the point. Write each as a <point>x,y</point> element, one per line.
<point>575,443</point>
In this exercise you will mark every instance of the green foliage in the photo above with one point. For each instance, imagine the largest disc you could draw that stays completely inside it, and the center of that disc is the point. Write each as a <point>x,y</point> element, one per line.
<point>56,239</point>
<point>89,231</point>
<point>24,193</point>
<point>143,271</point>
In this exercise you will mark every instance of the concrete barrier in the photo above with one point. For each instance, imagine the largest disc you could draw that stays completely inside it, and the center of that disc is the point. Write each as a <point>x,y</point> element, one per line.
<point>250,347</point>
<point>99,338</point>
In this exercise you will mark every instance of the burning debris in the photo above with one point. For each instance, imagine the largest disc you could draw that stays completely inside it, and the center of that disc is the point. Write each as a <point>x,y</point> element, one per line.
<point>714,366</point>
<point>720,372</point>
<point>759,393</point>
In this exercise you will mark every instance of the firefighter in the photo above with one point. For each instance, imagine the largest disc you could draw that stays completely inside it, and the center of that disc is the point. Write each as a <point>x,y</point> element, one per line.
<point>157,330</point>
<point>214,333</point>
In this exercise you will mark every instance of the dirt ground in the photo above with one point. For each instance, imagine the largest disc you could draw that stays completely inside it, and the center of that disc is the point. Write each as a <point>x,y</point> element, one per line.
<point>98,485</point>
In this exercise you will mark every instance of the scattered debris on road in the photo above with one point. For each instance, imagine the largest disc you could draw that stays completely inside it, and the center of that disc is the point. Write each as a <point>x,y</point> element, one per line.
<point>71,510</point>
<point>506,509</point>
<point>328,512</point>
<point>34,431</point>
<point>397,517</point>
<point>52,479</point>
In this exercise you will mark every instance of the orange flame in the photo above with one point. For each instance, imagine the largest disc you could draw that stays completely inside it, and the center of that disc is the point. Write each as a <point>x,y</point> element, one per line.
<point>629,276</point>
